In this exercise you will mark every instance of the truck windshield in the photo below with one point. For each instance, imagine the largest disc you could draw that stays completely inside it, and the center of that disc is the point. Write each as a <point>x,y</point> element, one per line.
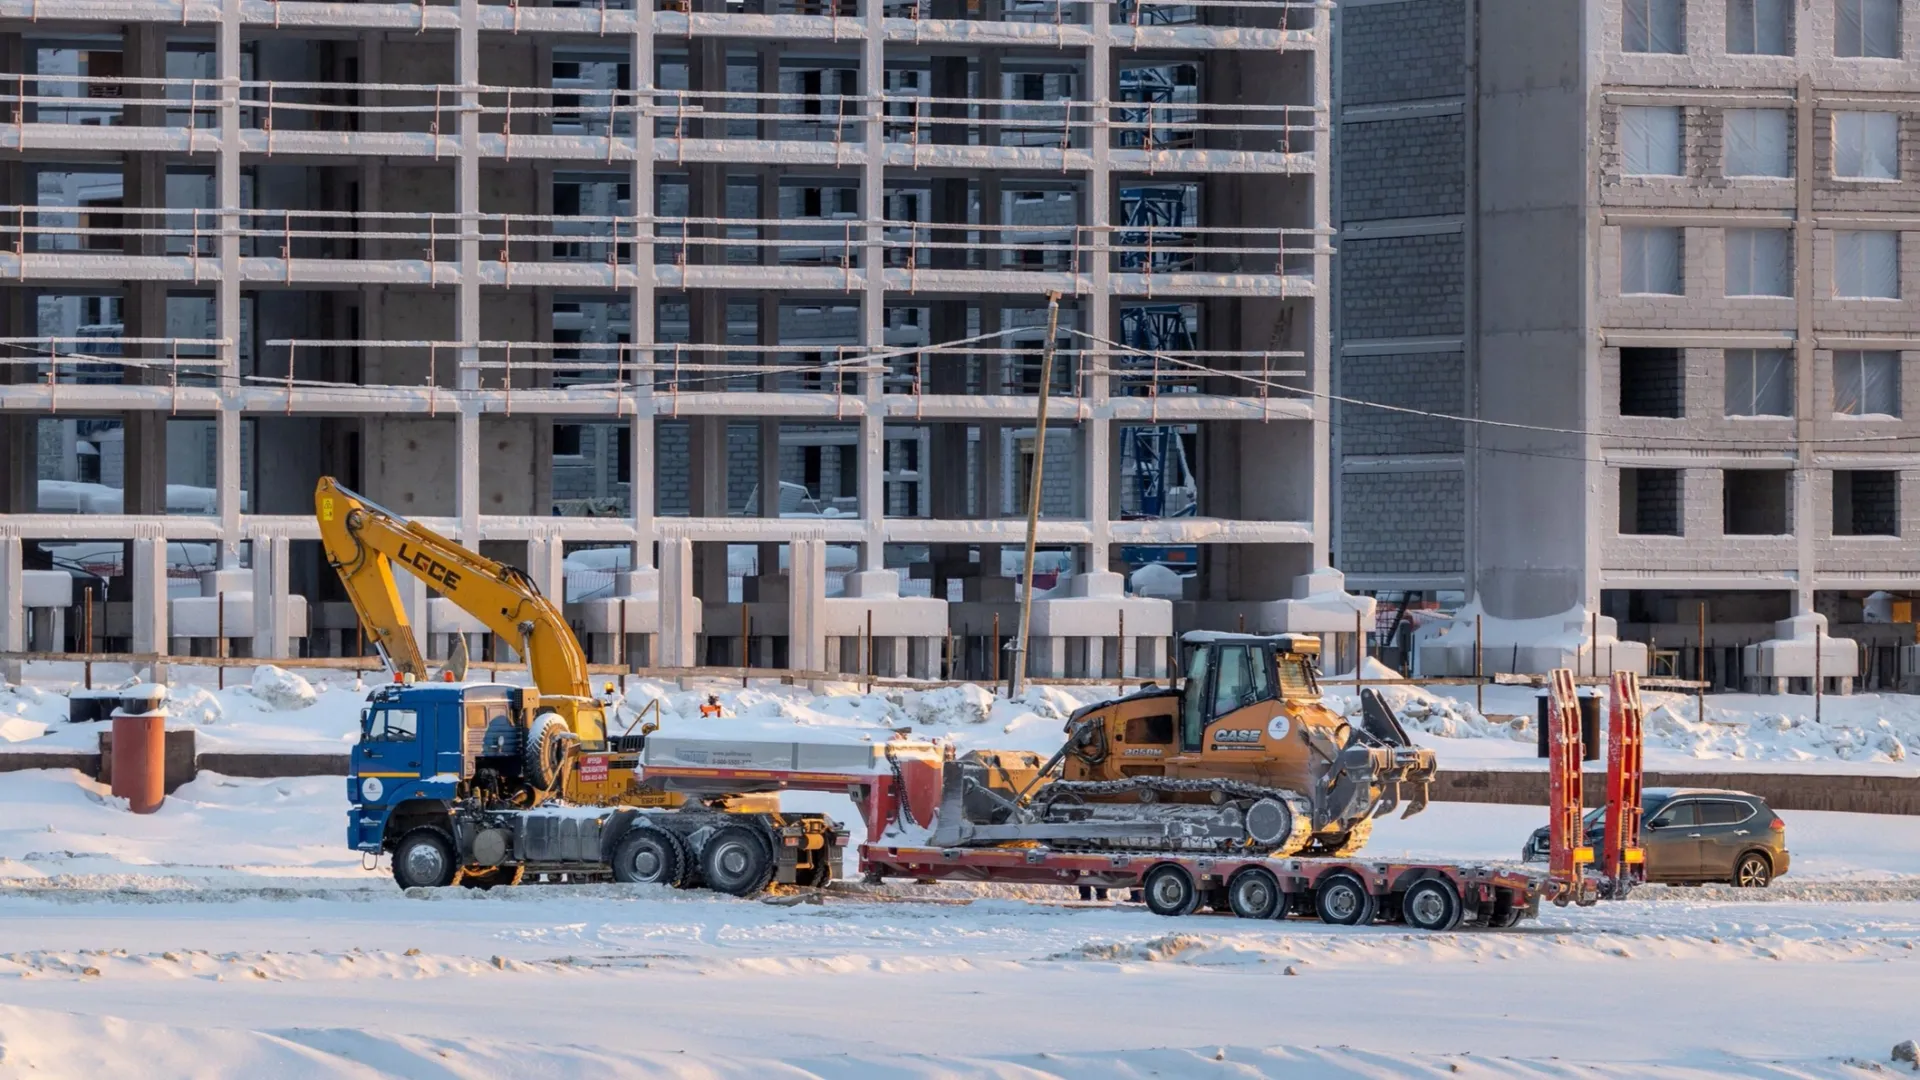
<point>392,725</point>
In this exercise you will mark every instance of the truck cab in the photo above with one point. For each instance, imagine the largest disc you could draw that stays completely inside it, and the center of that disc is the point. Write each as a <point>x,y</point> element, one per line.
<point>423,745</point>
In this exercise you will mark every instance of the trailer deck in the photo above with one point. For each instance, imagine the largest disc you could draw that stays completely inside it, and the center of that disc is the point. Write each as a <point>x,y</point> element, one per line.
<point>899,790</point>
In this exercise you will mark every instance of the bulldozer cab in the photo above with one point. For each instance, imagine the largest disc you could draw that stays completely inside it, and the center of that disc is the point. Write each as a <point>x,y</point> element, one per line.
<point>1227,673</point>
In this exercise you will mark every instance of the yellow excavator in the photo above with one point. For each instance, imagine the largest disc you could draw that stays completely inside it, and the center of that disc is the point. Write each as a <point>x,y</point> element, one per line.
<point>567,724</point>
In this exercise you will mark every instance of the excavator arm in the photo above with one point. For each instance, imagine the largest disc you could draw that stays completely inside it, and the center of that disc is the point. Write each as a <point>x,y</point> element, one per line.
<point>364,542</point>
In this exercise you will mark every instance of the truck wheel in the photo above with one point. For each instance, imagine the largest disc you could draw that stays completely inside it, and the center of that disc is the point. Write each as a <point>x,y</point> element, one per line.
<point>736,861</point>
<point>1753,871</point>
<point>1431,905</point>
<point>1254,893</point>
<point>1170,890</point>
<point>649,856</point>
<point>423,859</point>
<point>1343,900</point>
<point>545,758</point>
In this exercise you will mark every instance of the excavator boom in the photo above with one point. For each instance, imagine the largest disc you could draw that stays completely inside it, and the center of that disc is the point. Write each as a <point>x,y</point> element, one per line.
<point>363,543</point>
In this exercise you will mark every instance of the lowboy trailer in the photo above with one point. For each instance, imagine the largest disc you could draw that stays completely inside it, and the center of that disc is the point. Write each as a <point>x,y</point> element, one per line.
<point>1429,895</point>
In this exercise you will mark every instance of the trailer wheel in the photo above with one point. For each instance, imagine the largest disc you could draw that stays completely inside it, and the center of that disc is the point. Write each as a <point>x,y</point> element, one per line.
<point>649,856</point>
<point>820,874</point>
<point>1432,905</point>
<point>1170,890</point>
<point>1507,911</point>
<point>423,859</point>
<point>736,860</point>
<point>1343,900</point>
<point>1254,893</point>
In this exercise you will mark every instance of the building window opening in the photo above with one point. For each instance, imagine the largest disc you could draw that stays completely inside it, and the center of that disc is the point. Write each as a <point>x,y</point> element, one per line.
<point>1754,502</point>
<point>1652,383</point>
<point>1650,502</point>
<point>1866,502</point>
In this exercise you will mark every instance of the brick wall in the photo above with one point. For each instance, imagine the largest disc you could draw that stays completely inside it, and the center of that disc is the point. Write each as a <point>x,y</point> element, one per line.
<point>1402,168</point>
<point>1403,286</point>
<point>1403,523</point>
<point>672,465</point>
<point>1400,52</point>
<point>1429,381</point>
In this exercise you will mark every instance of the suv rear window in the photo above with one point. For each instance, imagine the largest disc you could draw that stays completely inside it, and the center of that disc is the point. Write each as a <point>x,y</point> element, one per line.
<point>1724,812</point>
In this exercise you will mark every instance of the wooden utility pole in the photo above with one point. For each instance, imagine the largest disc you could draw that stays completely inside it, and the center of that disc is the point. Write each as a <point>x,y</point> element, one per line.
<point>1033,491</point>
<point>1700,661</point>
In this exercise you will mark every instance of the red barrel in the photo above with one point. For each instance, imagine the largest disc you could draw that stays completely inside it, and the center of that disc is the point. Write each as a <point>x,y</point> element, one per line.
<point>140,760</point>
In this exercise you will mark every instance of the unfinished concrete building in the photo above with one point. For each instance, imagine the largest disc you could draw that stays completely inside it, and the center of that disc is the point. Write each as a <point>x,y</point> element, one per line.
<point>1674,246</point>
<point>725,320</point>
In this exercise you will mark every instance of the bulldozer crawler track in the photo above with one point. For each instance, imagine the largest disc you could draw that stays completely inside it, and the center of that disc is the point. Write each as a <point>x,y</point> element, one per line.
<point>1106,790</point>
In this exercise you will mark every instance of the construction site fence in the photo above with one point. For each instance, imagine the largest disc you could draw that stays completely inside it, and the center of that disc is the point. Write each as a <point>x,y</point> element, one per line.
<point>361,665</point>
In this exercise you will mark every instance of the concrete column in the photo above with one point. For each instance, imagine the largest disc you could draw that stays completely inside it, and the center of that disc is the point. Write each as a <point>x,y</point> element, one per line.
<point>19,464</point>
<point>467,203</point>
<point>873,445</point>
<point>806,578</point>
<point>147,571</point>
<point>227,290</point>
<point>1804,291</point>
<point>466,475</point>
<point>1096,306</point>
<point>676,593</point>
<point>640,474</point>
<point>992,481</point>
<point>272,614</point>
<point>546,565</point>
<point>707,466</point>
<point>144,432</point>
<point>769,475</point>
<point>13,606</point>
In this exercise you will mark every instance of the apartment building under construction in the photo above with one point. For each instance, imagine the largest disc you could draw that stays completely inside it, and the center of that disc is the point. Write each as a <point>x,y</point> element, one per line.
<point>719,318</point>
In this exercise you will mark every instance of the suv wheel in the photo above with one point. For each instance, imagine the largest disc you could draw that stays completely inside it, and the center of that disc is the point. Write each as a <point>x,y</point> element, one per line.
<point>1753,871</point>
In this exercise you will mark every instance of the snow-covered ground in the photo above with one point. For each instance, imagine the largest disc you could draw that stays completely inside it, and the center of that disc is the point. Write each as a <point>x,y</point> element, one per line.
<point>232,934</point>
<point>318,712</point>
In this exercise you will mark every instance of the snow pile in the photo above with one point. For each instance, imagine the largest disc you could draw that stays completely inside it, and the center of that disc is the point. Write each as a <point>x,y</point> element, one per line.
<point>1423,712</point>
<point>62,827</point>
<point>32,705</point>
<point>1776,729</point>
<point>282,689</point>
<point>18,729</point>
<point>968,717</point>
<point>950,706</point>
<point>194,705</point>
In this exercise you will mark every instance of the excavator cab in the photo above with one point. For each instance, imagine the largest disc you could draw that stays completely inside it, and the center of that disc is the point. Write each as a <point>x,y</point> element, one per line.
<point>1227,674</point>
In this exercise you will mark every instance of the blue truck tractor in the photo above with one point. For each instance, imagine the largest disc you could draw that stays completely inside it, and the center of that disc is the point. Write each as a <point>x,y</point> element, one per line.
<point>438,781</point>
